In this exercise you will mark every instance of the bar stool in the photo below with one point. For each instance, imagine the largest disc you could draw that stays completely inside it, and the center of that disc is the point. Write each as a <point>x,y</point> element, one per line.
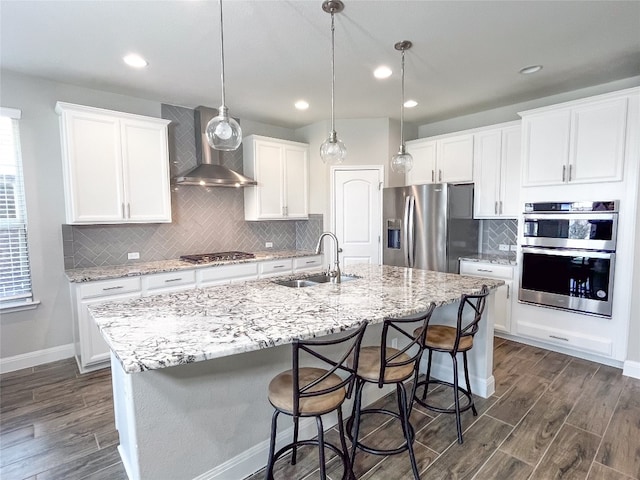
<point>384,365</point>
<point>453,340</point>
<point>313,392</point>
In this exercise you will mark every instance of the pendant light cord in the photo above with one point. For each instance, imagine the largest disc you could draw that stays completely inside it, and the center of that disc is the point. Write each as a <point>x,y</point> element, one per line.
<point>402,105</point>
<point>222,54</point>
<point>333,78</point>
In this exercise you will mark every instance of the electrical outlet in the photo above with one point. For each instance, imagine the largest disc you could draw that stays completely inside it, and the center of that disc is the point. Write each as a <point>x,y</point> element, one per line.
<point>513,248</point>
<point>268,244</point>
<point>133,255</point>
<point>503,247</point>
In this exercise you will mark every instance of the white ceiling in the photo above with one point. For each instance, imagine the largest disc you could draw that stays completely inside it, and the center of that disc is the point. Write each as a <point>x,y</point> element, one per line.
<point>465,56</point>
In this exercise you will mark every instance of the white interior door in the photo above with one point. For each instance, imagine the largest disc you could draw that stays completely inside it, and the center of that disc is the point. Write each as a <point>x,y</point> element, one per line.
<point>357,198</point>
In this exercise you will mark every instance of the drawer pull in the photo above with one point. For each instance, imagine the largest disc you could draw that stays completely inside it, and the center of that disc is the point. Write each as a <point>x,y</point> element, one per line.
<point>311,261</point>
<point>279,266</point>
<point>169,280</point>
<point>118,287</point>
<point>559,338</point>
<point>485,270</point>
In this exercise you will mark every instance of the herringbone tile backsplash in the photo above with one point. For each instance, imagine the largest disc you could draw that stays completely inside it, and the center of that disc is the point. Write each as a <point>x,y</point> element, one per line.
<point>496,232</point>
<point>204,219</point>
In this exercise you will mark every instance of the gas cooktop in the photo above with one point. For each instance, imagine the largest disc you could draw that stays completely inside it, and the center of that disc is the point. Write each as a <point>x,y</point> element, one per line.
<point>216,257</point>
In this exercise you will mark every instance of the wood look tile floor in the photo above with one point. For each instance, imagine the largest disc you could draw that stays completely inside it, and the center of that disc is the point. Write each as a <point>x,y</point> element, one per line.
<point>552,417</point>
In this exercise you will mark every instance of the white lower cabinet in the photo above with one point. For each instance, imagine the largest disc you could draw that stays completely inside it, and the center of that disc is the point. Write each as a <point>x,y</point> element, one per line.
<point>503,294</point>
<point>92,351</point>
<point>240,272</point>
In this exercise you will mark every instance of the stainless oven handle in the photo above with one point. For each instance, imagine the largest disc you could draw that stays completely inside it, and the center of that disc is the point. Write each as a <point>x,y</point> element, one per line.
<point>570,216</point>
<point>568,253</point>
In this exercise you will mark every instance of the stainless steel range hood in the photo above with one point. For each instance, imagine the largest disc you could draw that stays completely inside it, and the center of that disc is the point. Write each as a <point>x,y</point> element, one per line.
<point>209,172</point>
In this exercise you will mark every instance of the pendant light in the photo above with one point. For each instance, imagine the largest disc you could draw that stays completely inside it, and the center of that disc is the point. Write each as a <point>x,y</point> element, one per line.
<point>223,132</point>
<point>402,161</point>
<point>332,150</point>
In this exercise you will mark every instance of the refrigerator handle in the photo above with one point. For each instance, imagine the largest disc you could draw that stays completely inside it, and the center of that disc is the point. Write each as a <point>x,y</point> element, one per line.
<point>411,222</point>
<point>405,230</point>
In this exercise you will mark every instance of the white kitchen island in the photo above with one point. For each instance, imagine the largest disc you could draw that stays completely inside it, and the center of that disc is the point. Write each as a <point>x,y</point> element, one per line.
<point>191,369</point>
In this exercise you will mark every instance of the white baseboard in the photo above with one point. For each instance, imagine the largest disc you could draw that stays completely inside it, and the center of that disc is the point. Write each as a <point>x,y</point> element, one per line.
<point>479,386</point>
<point>631,369</point>
<point>31,359</point>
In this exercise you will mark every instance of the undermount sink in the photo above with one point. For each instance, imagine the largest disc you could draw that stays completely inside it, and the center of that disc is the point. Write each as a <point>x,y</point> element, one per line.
<point>312,280</point>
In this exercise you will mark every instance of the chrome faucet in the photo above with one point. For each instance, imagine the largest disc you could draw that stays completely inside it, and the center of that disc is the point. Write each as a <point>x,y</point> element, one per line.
<point>335,273</point>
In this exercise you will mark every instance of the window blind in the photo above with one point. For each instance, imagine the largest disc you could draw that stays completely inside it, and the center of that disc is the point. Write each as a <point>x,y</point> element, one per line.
<point>15,273</point>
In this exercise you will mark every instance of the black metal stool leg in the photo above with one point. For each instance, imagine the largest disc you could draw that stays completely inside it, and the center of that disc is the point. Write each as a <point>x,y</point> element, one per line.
<point>294,453</point>
<point>466,377</point>
<point>272,445</point>
<point>456,398</point>
<point>343,443</point>
<point>355,421</point>
<point>426,381</point>
<point>323,468</point>
<point>406,428</point>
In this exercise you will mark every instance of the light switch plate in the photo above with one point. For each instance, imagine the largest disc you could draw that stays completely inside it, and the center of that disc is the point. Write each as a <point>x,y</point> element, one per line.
<point>133,255</point>
<point>514,248</point>
<point>503,247</point>
<point>268,244</point>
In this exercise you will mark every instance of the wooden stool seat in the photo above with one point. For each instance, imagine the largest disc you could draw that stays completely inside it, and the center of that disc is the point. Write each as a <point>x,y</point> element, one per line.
<point>369,365</point>
<point>443,337</point>
<point>281,391</point>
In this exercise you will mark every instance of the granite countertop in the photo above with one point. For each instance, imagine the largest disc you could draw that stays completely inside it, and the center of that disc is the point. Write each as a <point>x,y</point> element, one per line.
<point>91,274</point>
<point>492,258</point>
<point>166,330</point>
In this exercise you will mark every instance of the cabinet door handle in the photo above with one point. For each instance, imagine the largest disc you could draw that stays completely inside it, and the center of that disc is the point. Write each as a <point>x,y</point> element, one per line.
<point>286,211</point>
<point>564,173</point>
<point>495,207</point>
<point>128,210</point>
<point>559,338</point>
<point>433,176</point>
<point>169,280</point>
<point>117,287</point>
<point>122,206</point>
<point>500,207</point>
<point>439,175</point>
<point>570,172</point>
<point>485,270</point>
<point>508,293</point>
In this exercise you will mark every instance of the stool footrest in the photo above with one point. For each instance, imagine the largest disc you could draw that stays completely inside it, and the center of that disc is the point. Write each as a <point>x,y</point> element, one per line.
<point>315,443</point>
<point>426,383</point>
<point>375,451</point>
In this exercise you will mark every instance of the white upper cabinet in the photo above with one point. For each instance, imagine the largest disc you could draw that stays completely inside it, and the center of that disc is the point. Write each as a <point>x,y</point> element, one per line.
<point>583,142</point>
<point>281,169</point>
<point>115,166</point>
<point>497,172</point>
<point>441,160</point>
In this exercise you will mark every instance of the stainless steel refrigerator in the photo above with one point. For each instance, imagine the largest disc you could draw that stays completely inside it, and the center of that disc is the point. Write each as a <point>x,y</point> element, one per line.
<point>429,226</point>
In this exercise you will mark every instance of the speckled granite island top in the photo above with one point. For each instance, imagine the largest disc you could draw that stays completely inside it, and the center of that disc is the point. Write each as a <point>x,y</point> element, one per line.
<point>90,274</point>
<point>492,258</point>
<point>201,324</point>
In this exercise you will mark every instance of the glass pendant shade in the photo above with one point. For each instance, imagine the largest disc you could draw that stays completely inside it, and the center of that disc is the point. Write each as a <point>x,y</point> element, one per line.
<point>402,161</point>
<point>332,150</point>
<point>223,132</point>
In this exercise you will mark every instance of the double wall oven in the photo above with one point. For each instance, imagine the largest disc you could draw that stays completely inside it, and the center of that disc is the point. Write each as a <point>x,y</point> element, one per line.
<point>568,255</point>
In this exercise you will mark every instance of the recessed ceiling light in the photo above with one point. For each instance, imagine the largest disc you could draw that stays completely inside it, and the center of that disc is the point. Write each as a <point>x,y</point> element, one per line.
<point>410,103</point>
<point>382,72</point>
<point>530,69</point>
<point>134,60</point>
<point>301,105</point>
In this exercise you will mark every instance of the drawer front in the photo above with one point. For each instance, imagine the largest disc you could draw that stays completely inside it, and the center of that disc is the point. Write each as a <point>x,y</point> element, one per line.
<point>580,341</point>
<point>227,272</point>
<point>276,266</point>
<point>169,279</point>
<point>106,288</point>
<point>490,270</point>
<point>302,263</point>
